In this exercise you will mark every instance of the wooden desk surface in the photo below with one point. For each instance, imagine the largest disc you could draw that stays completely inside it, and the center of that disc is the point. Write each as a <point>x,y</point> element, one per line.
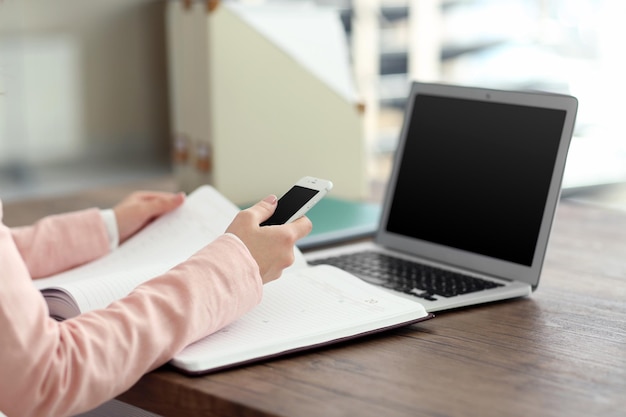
<point>560,352</point>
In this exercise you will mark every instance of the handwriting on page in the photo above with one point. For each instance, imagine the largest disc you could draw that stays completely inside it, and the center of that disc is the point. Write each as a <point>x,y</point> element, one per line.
<point>296,309</point>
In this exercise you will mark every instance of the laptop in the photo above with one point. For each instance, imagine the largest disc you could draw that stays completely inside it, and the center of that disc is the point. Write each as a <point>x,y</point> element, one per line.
<point>471,197</point>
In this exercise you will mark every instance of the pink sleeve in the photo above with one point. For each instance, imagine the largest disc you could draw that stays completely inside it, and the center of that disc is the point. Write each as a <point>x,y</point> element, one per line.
<point>60,242</point>
<point>51,368</point>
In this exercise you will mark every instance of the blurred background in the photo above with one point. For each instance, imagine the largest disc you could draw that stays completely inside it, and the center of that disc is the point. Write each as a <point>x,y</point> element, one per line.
<point>85,97</point>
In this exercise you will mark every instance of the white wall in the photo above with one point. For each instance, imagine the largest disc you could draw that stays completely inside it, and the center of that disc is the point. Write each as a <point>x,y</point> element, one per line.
<point>82,78</point>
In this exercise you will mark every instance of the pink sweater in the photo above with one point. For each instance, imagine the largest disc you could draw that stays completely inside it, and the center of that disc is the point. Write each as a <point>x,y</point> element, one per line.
<point>50,368</point>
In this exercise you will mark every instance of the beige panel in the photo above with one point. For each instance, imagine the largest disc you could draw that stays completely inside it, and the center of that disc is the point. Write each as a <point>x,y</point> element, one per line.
<point>273,121</point>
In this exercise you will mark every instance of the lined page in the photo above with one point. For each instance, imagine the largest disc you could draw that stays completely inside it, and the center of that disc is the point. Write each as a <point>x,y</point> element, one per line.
<point>305,307</point>
<point>160,246</point>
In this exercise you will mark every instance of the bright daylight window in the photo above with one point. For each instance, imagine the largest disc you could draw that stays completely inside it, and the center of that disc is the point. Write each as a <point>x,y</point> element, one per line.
<point>563,46</point>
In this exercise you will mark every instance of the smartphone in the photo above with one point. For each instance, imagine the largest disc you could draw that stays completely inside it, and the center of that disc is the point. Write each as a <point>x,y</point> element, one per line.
<point>298,200</point>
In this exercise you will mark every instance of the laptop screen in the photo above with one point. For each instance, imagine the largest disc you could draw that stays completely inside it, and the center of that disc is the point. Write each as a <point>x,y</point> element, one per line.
<point>475,175</point>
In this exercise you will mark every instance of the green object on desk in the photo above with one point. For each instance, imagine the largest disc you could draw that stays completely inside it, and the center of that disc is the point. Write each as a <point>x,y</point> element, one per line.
<point>335,220</point>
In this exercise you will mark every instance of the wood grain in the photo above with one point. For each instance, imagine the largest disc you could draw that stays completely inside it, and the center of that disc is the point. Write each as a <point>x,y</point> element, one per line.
<point>559,352</point>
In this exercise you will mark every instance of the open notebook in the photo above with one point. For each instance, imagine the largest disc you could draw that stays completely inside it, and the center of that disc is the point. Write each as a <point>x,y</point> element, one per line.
<point>471,197</point>
<point>306,307</point>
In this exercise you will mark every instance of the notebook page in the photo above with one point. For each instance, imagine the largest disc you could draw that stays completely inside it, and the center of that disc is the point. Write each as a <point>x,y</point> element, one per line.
<point>158,247</point>
<point>305,307</point>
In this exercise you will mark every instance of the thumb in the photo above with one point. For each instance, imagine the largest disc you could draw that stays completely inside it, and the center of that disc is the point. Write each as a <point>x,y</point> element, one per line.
<point>265,208</point>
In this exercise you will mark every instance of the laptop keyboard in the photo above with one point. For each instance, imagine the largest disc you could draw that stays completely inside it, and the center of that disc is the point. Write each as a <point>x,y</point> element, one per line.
<point>410,277</point>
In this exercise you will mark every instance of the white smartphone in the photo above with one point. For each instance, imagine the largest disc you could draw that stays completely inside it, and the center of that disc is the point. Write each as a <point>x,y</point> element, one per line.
<point>298,200</point>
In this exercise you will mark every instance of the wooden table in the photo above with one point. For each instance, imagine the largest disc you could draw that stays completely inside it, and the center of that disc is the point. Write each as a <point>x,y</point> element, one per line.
<point>560,352</point>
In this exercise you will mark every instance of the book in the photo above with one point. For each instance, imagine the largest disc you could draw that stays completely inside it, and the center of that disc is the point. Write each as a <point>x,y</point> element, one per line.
<point>308,306</point>
<point>339,219</point>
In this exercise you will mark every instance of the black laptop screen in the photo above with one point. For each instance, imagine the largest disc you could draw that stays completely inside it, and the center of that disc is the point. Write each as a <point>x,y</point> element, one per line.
<point>475,175</point>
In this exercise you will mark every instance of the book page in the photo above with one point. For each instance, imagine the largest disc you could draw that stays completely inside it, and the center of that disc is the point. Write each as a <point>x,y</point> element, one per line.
<point>160,246</point>
<point>163,244</point>
<point>305,307</point>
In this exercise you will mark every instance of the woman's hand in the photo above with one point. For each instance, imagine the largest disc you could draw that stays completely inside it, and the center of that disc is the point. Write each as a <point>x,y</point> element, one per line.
<point>141,207</point>
<point>271,246</point>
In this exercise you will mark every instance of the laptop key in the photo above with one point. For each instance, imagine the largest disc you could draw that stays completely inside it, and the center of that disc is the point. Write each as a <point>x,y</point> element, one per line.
<point>410,277</point>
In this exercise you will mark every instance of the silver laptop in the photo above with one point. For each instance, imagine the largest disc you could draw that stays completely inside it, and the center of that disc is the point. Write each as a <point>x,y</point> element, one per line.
<point>471,198</point>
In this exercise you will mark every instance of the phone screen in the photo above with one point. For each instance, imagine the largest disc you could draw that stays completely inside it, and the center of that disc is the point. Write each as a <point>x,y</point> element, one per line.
<point>289,204</point>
